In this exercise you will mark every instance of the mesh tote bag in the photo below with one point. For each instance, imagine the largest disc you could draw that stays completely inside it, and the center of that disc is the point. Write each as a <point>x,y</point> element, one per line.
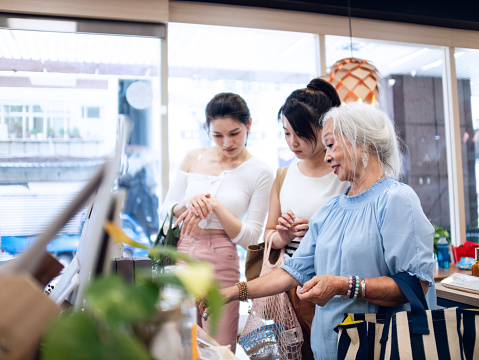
<point>272,326</point>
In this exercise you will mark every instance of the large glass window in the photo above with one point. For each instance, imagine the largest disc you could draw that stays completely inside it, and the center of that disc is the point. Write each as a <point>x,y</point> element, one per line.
<point>468,93</point>
<point>61,95</point>
<point>411,94</point>
<point>262,66</point>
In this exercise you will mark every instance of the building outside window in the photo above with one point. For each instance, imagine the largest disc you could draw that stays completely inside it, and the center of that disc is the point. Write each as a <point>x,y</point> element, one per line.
<point>61,95</point>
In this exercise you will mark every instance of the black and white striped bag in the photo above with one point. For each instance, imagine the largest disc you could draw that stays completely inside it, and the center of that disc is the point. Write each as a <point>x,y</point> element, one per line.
<point>450,333</point>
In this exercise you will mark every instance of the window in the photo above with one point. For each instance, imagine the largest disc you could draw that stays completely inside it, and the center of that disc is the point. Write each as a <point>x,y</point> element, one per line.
<point>468,93</point>
<point>262,66</point>
<point>61,95</point>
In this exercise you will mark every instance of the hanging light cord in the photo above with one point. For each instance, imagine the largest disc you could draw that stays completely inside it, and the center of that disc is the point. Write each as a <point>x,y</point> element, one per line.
<point>350,28</point>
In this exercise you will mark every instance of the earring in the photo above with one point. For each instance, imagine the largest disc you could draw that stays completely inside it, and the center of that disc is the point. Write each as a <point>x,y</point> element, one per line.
<point>365,158</point>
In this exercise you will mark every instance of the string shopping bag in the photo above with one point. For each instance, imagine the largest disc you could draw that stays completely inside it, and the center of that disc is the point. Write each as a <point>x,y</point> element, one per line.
<point>272,326</point>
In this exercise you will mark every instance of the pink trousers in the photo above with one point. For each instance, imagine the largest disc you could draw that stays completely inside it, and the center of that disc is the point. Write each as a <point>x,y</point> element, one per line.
<point>220,252</point>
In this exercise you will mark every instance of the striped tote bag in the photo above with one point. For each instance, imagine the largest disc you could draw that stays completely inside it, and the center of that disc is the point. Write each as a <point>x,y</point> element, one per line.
<point>451,333</point>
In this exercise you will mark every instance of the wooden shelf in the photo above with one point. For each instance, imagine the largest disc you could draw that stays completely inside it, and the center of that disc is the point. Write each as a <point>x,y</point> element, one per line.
<point>440,274</point>
<point>450,297</point>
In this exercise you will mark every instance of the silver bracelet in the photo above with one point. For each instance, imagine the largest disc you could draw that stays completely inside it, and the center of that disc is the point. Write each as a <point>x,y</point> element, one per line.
<point>363,289</point>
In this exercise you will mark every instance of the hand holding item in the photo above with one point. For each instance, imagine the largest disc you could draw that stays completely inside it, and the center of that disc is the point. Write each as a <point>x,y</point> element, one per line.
<point>289,227</point>
<point>320,289</point>
<point>285,226</point>
<point>301,227</point>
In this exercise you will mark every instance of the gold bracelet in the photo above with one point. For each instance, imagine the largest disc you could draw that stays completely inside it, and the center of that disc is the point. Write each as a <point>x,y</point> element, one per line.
<point>243,291</point>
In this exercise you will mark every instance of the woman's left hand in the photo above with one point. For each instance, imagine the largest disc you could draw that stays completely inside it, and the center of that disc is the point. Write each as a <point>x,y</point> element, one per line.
<point>320,289</point>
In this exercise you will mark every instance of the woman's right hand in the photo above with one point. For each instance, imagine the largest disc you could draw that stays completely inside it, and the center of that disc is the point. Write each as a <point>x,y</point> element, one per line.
<point>200,205</point>
<point>322,288</point>
<point>227,293</point>
<point>190,222</point>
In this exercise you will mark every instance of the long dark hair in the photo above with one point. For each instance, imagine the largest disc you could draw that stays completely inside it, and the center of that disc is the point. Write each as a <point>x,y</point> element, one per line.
<point>304,108</point>
<point>227,105</point>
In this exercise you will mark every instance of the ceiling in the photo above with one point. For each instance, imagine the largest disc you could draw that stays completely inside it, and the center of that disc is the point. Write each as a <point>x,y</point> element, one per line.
<point>205,51</point>
<point>461,14</point>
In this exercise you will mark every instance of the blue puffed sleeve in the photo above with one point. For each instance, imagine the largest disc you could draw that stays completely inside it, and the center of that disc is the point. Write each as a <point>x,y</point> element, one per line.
<point>407,234</point>
<point>301,265</point>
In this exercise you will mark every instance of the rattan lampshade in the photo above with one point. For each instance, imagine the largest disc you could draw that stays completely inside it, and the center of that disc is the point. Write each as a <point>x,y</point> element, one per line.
<point>355,80</point>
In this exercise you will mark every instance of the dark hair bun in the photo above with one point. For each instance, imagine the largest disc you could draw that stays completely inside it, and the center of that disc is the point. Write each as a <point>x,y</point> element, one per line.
<point>325,87</point>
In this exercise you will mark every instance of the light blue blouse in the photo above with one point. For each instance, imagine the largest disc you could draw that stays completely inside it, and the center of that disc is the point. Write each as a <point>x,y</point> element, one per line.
<point>380,232</point>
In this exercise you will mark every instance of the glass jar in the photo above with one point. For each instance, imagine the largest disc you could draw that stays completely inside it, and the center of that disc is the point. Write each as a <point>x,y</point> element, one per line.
<point>475,266</point>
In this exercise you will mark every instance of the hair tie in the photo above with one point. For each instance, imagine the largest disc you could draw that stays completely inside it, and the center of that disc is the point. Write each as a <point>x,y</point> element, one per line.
<point>309,86</point>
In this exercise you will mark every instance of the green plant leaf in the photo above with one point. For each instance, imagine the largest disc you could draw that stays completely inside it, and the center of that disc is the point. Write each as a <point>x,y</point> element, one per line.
<point>77,336</point>
<point>439,232</point>
<point>108,327</point>
<point>160,255</point>
<point>118,302</point>
<point>215,302</point>
<point>67,336</point>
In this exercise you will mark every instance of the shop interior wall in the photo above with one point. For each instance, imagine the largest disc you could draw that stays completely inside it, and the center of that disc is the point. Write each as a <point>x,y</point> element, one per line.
<point>155,11</point>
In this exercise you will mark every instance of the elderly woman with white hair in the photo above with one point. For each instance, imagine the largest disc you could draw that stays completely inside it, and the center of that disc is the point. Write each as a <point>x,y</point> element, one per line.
<point>358,240</point>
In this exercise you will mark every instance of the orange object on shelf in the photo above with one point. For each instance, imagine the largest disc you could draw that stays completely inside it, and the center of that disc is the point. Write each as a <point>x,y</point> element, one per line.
<point>475,266</point>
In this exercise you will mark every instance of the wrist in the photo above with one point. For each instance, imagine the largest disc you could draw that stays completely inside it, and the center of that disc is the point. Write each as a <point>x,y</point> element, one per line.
<point>180,209</point>
<point>242,291</point>
<point>214,205</point>
<point>231,294</point>
<point>344,285</point>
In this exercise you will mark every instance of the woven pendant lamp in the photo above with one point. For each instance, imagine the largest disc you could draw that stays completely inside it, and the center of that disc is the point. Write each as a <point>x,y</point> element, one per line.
<point>355,80</point>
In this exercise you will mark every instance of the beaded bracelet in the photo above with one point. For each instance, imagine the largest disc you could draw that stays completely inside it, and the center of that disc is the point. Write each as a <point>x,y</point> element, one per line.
<point>356,289</point>
<point>354,283</point>
<point>352,286</point>
<point>243,291</point>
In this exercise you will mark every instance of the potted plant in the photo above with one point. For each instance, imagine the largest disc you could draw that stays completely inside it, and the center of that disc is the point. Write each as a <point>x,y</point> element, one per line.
<point>34,132</point>
<point>16,128</point>
<point>125,321</point>
<point>439,233</point>
<point>75,133</point>
<point>50,132</point>
<point>441,247</point>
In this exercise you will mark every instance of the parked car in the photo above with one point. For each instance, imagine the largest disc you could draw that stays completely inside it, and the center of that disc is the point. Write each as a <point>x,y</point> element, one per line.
<point>64,246</point>
<point>135,232</point>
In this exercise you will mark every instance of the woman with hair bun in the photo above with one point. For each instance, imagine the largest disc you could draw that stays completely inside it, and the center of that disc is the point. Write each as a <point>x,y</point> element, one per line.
<point>307,183</point>
<point>222,194</point>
